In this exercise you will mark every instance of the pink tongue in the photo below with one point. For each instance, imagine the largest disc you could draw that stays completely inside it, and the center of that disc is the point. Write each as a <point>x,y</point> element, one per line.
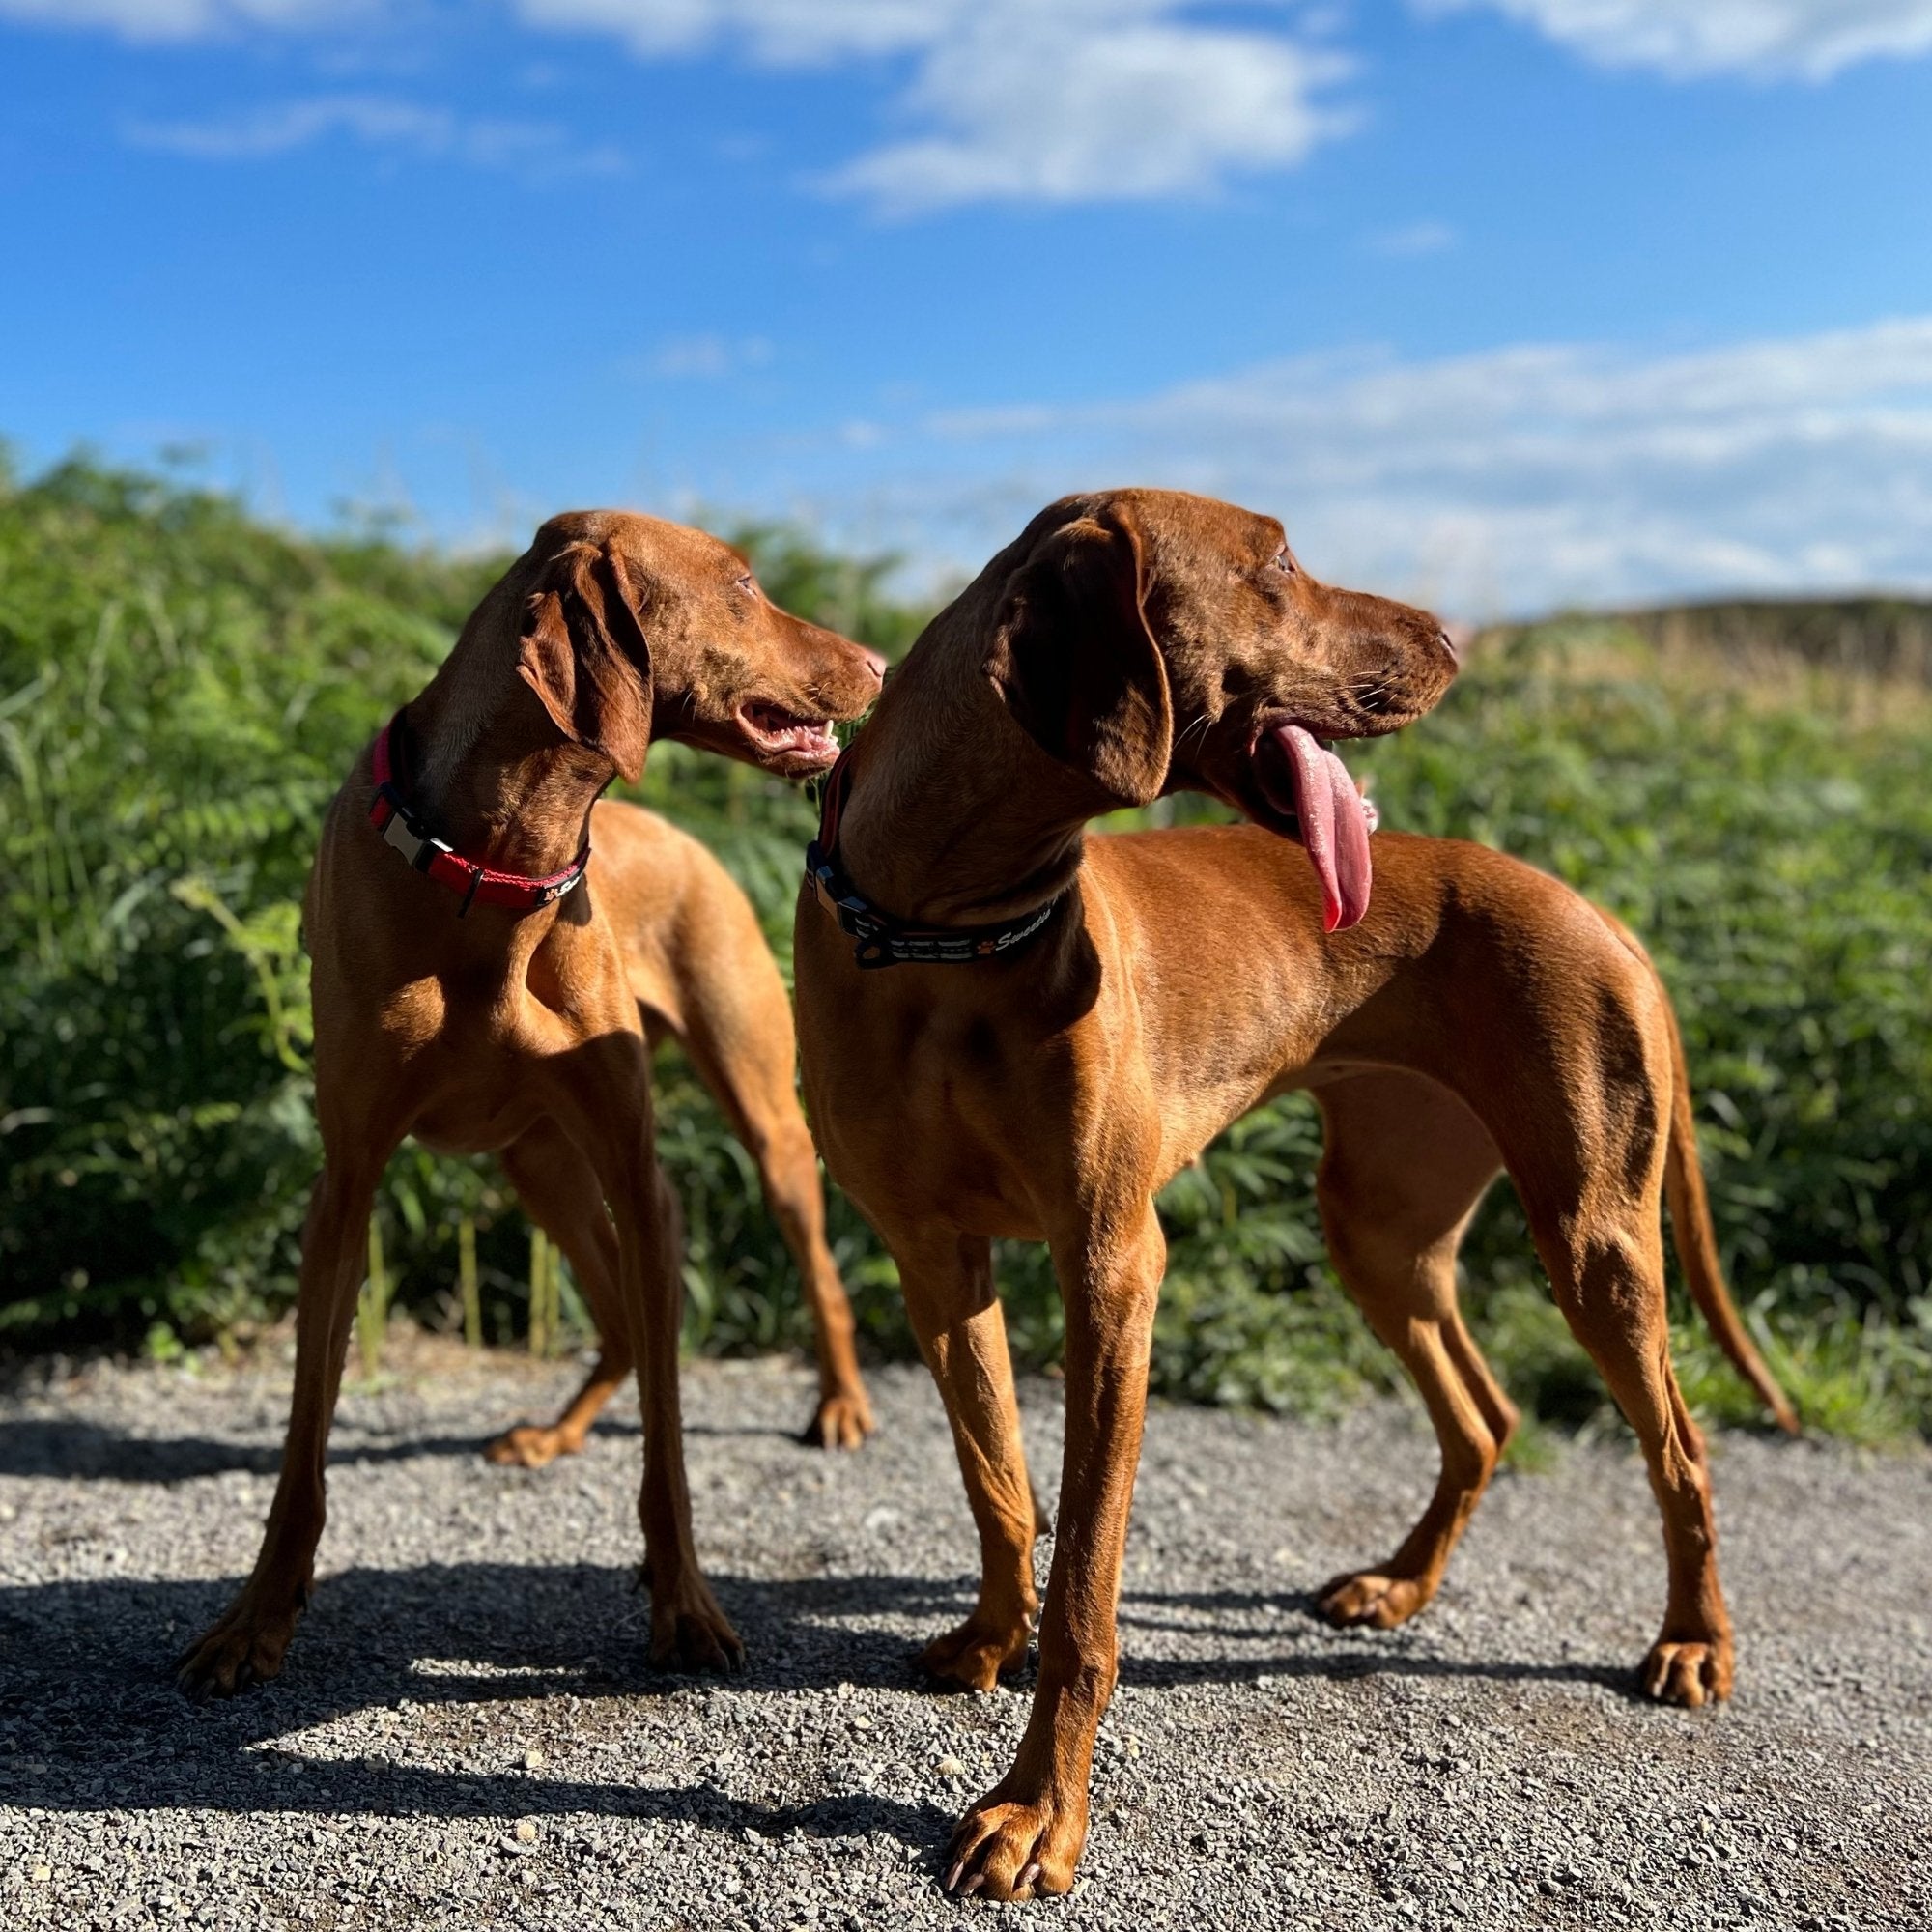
<point>1334,826</point>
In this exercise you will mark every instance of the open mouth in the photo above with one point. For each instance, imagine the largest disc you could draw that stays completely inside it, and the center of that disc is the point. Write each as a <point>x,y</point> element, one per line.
<point>1314,799</point>
<point>783,739</point>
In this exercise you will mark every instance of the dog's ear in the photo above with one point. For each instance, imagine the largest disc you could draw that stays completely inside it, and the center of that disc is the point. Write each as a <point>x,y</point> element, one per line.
<point>585,654</point>
<point>1076,662</point>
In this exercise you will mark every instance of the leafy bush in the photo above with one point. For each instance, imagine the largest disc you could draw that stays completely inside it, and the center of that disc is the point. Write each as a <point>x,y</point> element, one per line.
<point>181,688</point>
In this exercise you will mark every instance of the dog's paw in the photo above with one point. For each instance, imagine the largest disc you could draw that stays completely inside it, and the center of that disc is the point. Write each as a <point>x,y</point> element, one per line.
<point>974,1656</point>
<point>1011,1848</point>
<point>1368,1597</point>
<point>1690,1674</point>
<point>690,1632</point>
<point>529,1445</point>
<point>246,1646</point>
<point>841,1421</point>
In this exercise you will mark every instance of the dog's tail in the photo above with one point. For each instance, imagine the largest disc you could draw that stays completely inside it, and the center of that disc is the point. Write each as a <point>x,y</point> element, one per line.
<point>1693,1234</point>
<point>1696,1239</point>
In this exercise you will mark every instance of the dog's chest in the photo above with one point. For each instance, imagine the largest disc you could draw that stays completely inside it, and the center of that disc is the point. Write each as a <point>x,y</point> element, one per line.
<point>480,1053</point>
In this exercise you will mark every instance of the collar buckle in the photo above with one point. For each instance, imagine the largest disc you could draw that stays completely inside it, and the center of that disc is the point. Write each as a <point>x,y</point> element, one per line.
<point>409,836</point>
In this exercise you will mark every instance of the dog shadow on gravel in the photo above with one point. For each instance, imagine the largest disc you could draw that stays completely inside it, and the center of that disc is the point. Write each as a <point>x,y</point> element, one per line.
<point>55,1446</point>
<point>1252,1616</point>
<point>90,1718</point>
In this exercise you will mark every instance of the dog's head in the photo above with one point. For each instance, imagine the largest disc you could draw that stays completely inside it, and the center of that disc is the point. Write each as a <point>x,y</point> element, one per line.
<point>1157,642</point>
<point>635,629</point>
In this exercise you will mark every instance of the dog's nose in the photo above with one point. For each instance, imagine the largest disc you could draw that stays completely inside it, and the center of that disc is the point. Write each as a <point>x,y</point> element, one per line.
<point>875,663</point>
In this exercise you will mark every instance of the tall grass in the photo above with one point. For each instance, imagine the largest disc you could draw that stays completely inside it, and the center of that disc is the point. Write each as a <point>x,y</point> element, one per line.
<point>181,690</point>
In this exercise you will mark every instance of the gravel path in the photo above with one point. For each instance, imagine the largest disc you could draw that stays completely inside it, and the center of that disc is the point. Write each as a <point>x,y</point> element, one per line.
<point>466,1735</point>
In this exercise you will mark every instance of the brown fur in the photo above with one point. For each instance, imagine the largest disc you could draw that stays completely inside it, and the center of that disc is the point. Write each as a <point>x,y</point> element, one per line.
<point>702,976</point>
<point>524,1034</point>
<point>1481,1016</point>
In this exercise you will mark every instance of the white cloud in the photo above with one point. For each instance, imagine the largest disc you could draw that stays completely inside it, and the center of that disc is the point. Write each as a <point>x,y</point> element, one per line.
<point>1418,238</point>
<point>702,357</point>
<point>1011,100</point>
<point>1037,106</point>
<point>774,32</point>
<point>1810,40</point>
<point>1513,480</point>
<point>375,121</point>
<point>187,19</point>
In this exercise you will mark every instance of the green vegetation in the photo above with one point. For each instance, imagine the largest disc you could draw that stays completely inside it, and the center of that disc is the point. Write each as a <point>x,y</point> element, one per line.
<point>181,690</point>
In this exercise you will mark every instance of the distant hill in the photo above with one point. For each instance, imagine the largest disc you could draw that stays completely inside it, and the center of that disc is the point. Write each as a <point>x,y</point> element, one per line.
<point>1887,638</point>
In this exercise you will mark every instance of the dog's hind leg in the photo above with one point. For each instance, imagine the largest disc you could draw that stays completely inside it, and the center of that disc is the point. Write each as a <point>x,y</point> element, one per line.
<point>1607,1269</point>
<point>788,1165</point>
<point>738,1035</point>
<point>1594,1196</point>
<point>1404,1166</point>
<point>599,1095</point>
<point>562,1195</point>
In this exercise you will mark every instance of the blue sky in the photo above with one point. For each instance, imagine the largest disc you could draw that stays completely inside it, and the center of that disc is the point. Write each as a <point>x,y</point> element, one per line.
<point>1506,304</point>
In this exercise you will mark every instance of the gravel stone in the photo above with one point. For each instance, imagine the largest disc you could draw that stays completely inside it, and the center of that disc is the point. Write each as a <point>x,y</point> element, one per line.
<point>468,1733</point>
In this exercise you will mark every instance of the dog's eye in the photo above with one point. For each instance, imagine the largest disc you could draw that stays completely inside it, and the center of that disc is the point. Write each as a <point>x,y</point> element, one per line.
<point>1282,562</point>
<point>748,584</point>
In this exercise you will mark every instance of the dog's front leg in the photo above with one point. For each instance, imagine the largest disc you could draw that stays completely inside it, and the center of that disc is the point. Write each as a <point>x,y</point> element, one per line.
<point>1025,1836</point>
<point>948,1283</point>
<point>247,1643</point>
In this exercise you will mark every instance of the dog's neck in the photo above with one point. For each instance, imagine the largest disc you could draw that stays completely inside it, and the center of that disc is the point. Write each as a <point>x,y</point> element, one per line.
<point>491,774</point>
<point>953,816</point>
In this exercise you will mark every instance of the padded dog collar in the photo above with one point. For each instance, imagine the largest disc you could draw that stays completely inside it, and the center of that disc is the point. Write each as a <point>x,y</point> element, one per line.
<point>885,939</point>
<point>475,884</point>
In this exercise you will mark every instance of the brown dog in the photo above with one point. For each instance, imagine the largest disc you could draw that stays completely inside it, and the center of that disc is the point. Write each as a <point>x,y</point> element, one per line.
<point>501,1016</point>
<point>1467,1015</point>
<point>697,965</point>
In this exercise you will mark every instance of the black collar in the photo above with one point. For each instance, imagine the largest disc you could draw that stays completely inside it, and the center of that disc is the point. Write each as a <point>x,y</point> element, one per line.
<point>884,939</point>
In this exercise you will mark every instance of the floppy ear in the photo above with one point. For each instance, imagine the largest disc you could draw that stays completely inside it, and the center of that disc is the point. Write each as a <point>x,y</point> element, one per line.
<point>1078,666</point>
<point>585,654</point>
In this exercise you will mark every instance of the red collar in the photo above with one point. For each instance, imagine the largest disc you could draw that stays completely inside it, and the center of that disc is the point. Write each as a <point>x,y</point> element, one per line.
<point>476,884</point>
<point>832,801</point>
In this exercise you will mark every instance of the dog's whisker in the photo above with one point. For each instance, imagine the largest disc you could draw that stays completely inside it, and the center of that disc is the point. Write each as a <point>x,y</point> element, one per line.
<point>1200,725</point>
